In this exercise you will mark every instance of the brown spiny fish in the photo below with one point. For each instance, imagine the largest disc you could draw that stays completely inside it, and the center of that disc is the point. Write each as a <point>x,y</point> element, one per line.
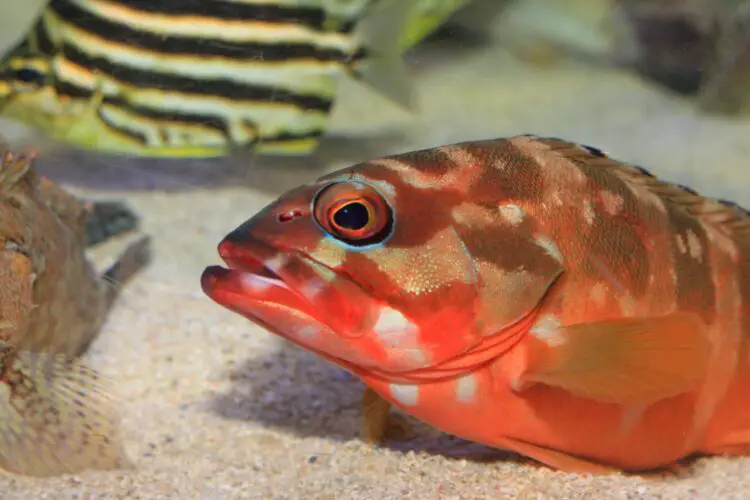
<point>56,413</point>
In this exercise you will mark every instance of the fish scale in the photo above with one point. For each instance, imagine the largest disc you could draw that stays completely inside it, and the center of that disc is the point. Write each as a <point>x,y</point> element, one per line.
<point>572,308</point>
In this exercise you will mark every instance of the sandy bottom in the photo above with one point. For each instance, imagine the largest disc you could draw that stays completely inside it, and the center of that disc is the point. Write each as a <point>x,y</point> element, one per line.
<point>214,407</point>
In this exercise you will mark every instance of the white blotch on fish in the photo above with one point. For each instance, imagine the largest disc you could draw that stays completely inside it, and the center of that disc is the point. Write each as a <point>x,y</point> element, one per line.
<point>588,212</point>
<point>551,247</point>
<point>312,288</point>
<point>694,245</point>
<point>406,394</point>
<point>466,388</point>
<point>512,213</point>
<point>547,329</point>
<point>392,327</point>
<point>276,263</point>
<point>613,203</point>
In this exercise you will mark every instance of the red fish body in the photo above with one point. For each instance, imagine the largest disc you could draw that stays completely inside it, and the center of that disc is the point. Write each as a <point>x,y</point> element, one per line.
<point>526,293</point>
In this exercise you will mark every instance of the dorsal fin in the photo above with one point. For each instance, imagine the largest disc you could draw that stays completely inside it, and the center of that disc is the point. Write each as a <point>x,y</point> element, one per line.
<point>717,212</point>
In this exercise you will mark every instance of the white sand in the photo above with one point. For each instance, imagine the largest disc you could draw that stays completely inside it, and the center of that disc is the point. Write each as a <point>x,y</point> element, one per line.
<point>215,407</point>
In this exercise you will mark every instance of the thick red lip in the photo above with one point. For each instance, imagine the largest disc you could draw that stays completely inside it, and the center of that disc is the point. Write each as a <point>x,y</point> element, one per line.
<point>260,275</point>
<point>248,257</point>
<point>254,275</point>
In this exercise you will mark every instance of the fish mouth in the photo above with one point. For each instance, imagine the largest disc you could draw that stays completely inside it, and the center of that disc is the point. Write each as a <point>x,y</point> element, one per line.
<point>293,296</point>
<point>253,277</point>
<point>258,273</point>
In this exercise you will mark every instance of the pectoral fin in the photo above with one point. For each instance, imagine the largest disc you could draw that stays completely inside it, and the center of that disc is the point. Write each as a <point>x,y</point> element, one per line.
<point>375,412</point>
<point>378,423</point>
<point>626,361</point>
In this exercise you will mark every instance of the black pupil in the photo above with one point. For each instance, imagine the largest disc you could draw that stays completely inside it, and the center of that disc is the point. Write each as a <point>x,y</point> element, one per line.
<point>352,216</point>
<point>28,75</point>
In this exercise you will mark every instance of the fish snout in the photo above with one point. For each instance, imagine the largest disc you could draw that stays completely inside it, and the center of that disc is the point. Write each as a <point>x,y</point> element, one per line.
<point>211,276</point>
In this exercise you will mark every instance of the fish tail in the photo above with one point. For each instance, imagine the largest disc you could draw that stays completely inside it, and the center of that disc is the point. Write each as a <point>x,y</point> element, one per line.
<point>380,63</point>
<point>56,416</point>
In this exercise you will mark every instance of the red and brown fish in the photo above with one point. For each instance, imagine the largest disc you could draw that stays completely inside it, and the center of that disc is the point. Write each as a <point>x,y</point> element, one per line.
<point>527,293</point>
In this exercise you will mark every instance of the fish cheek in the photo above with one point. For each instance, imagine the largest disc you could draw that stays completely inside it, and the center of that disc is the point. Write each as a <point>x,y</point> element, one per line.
<point>426,296</point>
<point>516,266</point>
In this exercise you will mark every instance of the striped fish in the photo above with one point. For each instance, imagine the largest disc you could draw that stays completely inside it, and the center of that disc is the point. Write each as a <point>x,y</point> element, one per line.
<point>199,77</point>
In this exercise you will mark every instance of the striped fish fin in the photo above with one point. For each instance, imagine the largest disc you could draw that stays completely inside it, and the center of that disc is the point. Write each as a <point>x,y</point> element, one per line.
<point>380,65</point>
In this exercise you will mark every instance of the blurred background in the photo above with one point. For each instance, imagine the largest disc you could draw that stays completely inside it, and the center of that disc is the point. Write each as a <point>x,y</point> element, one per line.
<point>199,116</point>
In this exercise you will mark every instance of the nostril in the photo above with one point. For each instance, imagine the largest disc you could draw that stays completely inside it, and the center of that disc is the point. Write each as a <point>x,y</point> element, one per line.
<point>289,215</point>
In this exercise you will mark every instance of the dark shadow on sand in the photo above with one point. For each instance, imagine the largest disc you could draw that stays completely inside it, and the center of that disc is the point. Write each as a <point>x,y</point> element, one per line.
<point>298,393</point>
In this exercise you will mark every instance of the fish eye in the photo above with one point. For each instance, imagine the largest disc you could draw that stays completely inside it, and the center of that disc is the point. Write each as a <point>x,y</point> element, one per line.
<point>353,213</point>
<point>29,75</point>
<point>27,79</point>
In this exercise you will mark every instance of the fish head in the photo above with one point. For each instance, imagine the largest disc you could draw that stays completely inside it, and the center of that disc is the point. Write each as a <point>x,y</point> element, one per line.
<point>23,78</point>
<point>28,94</point>
<point>369,273</point>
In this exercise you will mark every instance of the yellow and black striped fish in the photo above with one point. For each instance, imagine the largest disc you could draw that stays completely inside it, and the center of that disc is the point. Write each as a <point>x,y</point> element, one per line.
<point>199,77</point>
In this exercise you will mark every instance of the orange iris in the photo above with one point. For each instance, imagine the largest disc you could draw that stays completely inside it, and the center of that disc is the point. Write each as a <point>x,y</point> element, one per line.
<point>353,213</point>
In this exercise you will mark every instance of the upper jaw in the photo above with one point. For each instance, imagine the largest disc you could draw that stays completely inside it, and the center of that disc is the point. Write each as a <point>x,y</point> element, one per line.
<point>254,274</point>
